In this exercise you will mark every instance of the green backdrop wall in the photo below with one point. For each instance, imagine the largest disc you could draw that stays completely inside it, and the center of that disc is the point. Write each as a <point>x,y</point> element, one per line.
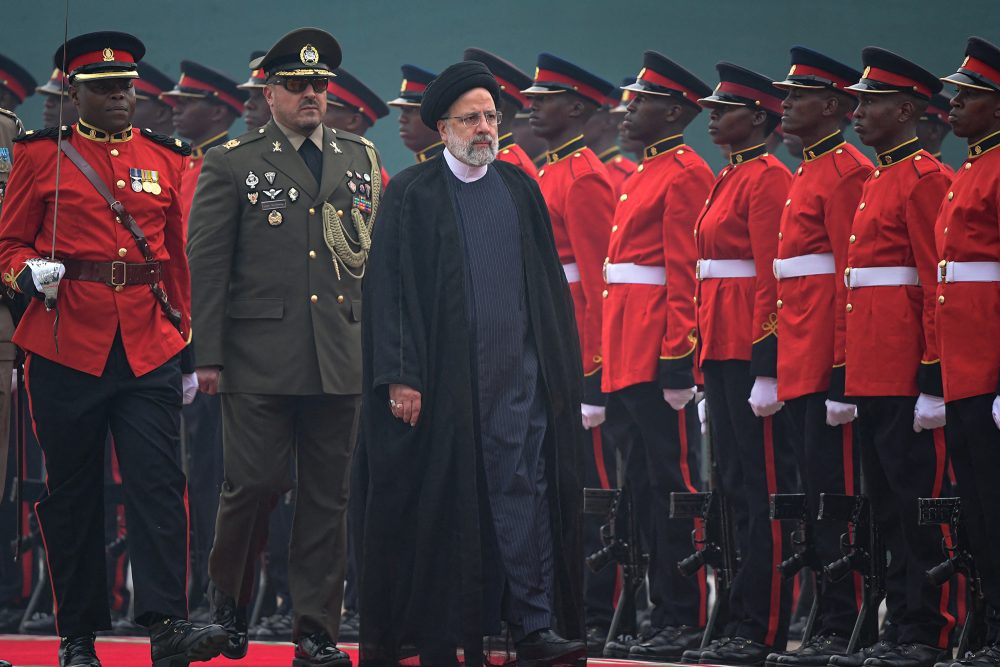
<point>607,36</point>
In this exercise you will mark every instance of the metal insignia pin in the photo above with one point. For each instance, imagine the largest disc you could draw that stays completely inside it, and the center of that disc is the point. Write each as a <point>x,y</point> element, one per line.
<point>366,177</point>
<point>276,147</point>
<point>336,148</point>
<point>252,181</point>
<point>252,197</point>
<point>274,218</point>
<point>273,192</point>
<point>352,186</point>
<point>293,194</point>
<point>269,175</point>
<point>350,174</point>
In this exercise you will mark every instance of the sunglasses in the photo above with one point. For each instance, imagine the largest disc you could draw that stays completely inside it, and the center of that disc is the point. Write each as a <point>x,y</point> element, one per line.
<point>298,84</point>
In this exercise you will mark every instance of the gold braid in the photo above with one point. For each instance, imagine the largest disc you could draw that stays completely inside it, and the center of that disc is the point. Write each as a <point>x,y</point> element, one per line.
<point>336,235</point>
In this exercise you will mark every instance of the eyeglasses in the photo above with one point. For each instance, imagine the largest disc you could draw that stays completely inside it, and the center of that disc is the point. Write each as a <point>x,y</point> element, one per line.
<point>298,84</point>
<point>472,119</point>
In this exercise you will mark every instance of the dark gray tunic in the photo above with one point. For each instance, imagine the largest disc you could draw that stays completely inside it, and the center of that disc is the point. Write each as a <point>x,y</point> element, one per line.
<point>511,412</point>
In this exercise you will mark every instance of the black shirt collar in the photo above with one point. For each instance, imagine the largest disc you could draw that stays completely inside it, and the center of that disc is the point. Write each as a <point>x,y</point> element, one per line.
<point>905,150</point>
<point>95,134</point>
<point>506,141</point>
<point>662,146</point>
<point>823,146</point>
<point>984,145</point>
<point>572,146</point>
<point>431,151</point>
<point>219,139</point>
<point>609,155</point>
<point>748,154</point>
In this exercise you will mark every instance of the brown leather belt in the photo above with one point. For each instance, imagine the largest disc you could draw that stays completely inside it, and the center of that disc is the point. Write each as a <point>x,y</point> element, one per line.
<point>115,274</point>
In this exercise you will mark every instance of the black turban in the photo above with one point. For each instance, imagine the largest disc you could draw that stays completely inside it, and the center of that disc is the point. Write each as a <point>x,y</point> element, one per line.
<point>451,84</point>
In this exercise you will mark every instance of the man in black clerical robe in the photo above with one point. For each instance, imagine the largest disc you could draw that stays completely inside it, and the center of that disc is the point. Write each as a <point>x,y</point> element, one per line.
<point>470,460</point>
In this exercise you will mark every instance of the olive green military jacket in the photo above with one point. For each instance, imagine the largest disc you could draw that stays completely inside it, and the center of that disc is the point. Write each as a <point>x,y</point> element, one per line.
<point>277,260</point>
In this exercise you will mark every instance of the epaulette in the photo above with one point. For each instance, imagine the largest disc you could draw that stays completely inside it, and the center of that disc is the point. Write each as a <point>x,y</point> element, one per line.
<point>244,139</point>
<point>686,157</point>
<point>7,112</point>
<point>584,163</point>
<point>356,138</point>
<point>846,161</point>
<point>47,133</point>
<point>926,165</point>
<point>173,143</point>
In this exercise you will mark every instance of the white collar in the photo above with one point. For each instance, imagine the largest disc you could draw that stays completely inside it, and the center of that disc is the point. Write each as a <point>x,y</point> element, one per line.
<point>463,172</point>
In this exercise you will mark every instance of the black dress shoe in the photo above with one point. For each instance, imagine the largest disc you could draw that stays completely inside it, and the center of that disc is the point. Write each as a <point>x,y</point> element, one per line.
<point>738,651</point>
<point>909,655</point>
<point>619,647</point>
<point>350,626</point>
<point>815,652</point>
<point>669,644</point>
<point>988,656</point>
<point>693,656</point>
<point>175,642</point>
<point>78,652</point>
<point>857,659</point>
<point>597,637</point>
<point>318,650</point>
<point>233,619</point>
<point>544,647</point>
<point>4,663</point>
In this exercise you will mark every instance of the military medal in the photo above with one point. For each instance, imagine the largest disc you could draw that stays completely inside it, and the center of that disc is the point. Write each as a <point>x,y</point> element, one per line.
<point>269,175</point>
<point>135,175</point>
<point>252,181</point>
<point>293,194</point>
<point>274,218</point>
<point>367,178</point>
<point>351,186</point>
<point>361,204</point>
<point>350,174</point>
<point>5,162</point>
<point>252,198</point>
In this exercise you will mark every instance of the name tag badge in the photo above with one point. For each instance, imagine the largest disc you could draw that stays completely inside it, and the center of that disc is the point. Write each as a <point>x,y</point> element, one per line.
<point>273,204</point>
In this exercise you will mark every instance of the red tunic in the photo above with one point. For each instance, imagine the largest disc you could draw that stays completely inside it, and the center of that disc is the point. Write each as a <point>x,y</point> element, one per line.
<point>90,313</point>
<point>619,167</point>
<point>649,330</point>
<point>817,219</point>
<point>968,313</point>
<point>736,316</point>
<point>890,329</point>
<point>511,152</point>
<point>192,170</point>
<point>581,206</point>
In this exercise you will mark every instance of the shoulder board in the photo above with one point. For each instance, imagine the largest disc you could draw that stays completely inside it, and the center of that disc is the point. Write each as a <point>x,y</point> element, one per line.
<point>926,165</point>
<point>356,138</point>
<point>244,139</point>
<point>687,156</point>
<point>585,163</point>
<point>47,133</point>
<point>846,161</point>
<point>172,143</point>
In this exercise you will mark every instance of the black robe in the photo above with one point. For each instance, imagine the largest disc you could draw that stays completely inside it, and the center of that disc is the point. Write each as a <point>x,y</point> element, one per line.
<point>420,559</point>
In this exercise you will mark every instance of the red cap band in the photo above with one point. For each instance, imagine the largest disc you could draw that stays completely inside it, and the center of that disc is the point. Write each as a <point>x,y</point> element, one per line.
<point>413,87</point>
<point>806,70</point>
<point>352,99</point>
<point>510,89</point>
<point>104,55</point>
<point>658,79</point>
<point>893,79</point>
<point>981,68</point>
<point>14,85</point>
<point>146,87</point>
<point>766,102</point>
<point>543,75</point>
<point>188,82</point>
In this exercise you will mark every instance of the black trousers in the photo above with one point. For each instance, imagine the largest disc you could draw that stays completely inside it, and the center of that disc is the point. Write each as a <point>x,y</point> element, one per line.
<point>974,446</point>
<point>754,460</point>
<point>666,454</point>
<point>899,466</point>
<point>72,413</point>
<point>828,463</point>
<point>203,430</point>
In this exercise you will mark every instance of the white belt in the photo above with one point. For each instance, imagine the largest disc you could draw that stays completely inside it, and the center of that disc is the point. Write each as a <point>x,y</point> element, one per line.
<point>635,274</point>
<point>881,276</point>
<point>968,272</point>
<point>572,272</point>
<point>804,265</point>
<point>724,268</point>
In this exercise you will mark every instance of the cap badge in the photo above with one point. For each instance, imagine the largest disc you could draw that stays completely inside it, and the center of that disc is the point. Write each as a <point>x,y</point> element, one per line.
<point>864,75</point>
<point>402,88</point>
<point>966,61</point>
<point>791,71</point>
<point>309,55</point>
<point>108,55</point>
<point>642,73</point>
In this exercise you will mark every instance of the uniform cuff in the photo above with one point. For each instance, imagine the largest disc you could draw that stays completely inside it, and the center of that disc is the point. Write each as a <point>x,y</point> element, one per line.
<point>838,380</point>
<point>676,373</point>
<point>26,285</point>
<point>592,394</point>
<point>929,379</point>
<point>764,357</point>
<point>188,365</point>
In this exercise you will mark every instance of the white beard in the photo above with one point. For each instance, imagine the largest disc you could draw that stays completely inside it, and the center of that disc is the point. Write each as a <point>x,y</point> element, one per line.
<point>474,156</point>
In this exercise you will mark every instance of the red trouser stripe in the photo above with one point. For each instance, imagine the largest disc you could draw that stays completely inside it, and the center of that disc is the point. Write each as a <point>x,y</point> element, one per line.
<point>118,601</point>
<point>685,468</point>
<point>940,465</point>
<point>847,441</point>
<point>776,555</point>
<point>602,471</point>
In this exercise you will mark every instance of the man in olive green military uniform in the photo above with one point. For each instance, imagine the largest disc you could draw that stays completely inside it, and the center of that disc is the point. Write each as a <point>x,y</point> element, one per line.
<point>10,127</point>
<point>278,239</point>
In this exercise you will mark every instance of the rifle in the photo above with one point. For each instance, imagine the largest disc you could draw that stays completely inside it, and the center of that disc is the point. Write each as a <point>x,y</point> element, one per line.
<point>864,552</point>
<point>620,537</point>
<point>958,559</point>
<point>795,507</point>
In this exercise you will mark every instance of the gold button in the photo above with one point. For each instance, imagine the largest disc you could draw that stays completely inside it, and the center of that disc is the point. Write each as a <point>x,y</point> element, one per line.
<point>780,236</point>
<point>847,271</point>
<point>850,307</point>
<point>614,228</point>
<point>541,172</point>
<point>605,294</point>
<point>119,288</point>
<point>706,202</point>
<point>623,197</point>
<point>114,152</point>
<point>877,173</point>
<point>314,298</point>
<point>118,220</point>
<point>340,298</point>
<point>506,151</point>
<point>312,211</point>
<point>696,233</point>
<point>340,213</point>
<point>943,263</point>
<point>122,252</point>
<point>576,154</point>
<point>839,151</point>
<point>780,304</point>
<point>916,158</point>
<point>799,172</point>
<point>696,299</point>
<point>853,238</point>
<point>945,230</point>
<point>861,207</point>
<point>120,183</point>
<point>941,299</point>
<point>787,202</point>
<point>968,165</point>
<point>951,195</point>
<point>640,167</point>
<point>312,254</point>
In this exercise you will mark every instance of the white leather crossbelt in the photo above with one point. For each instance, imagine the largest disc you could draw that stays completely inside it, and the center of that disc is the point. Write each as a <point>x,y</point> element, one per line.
<point>635,274</point>
<point>804,265</point>
<point>572,272</point>
<point>706,269</point>
<point>881,276</point>
<point>968,272</point>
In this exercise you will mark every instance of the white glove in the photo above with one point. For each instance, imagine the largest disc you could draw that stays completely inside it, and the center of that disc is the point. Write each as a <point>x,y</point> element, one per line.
<point>593,415</point>
<point>996,411</point>
<point>838,414</point>
<point>703,415</point>
<point>764,397</point>
<point>928,413</point>
<point>678,398</point>
<point>45,273</point>
<point>189,386</point>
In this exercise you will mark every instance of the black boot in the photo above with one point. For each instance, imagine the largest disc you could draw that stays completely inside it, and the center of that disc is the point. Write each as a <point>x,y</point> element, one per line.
<point>667,645</point>
<point>815,652</point>
<point>78,652</point>
<point>738,651</point>
<point>177,643</point>
<point>857,659</point>
<point>909,655</point>
<point>988,656</point>
<point>232,618</point>
<point>693,656</point>
<point>318,650</point>
<point>544,647</point>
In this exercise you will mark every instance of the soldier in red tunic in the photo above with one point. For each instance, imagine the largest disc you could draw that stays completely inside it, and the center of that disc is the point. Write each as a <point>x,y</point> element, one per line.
<point>105,356</point>
<point>812,256</point>
<point>933,127</point>
<point>512,101</point>
<point>892,363</point>
<point>649,337</point>
<point>737,239</point>
<point>968,320</point>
